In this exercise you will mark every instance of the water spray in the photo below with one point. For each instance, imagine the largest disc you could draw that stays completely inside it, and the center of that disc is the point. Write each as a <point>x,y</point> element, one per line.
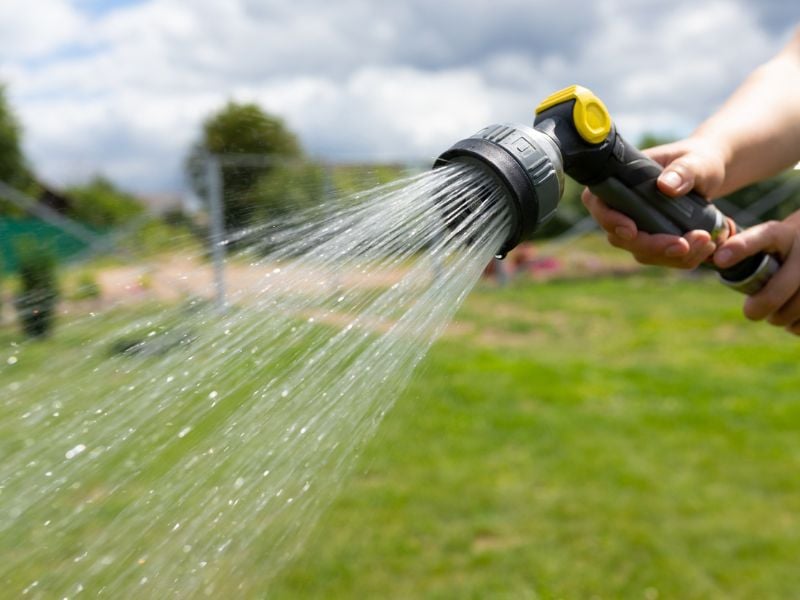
<point>574,134</point>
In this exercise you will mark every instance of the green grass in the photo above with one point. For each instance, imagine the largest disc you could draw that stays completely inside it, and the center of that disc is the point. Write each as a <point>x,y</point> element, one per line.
<point>614,439</point>
<point>630,438</point>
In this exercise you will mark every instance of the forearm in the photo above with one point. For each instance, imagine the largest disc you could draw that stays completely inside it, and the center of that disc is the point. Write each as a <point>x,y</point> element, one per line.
<point>758,128</point>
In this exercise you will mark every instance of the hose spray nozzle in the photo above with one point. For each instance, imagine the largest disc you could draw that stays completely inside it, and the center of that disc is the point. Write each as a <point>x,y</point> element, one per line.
<point>574,134</point>
<point>525,163</point>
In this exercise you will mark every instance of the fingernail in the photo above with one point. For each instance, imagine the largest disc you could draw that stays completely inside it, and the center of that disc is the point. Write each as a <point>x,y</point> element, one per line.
<point>674,251</point>
<point>723,257</point>
<point>671,179</point>
<point>624,233</point>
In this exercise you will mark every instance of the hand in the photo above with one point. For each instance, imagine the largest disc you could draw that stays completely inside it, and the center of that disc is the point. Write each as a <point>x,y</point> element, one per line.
<point>691,164</point>
<point>779,301</point>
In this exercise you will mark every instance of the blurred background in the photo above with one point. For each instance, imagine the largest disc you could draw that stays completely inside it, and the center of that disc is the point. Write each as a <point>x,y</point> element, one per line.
<point>121,87</point>
<point>586,428</point>
<point>109,106</point>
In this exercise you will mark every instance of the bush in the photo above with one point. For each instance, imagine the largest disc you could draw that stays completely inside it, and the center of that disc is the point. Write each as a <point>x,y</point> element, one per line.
<point>87,288</point>
<point>38,295</point>
<point>100,204</point>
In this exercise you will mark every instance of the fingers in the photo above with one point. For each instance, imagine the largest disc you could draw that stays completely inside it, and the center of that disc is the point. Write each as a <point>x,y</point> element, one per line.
<point>788,315</point>
<point>614,222</point>
<point>685,252</point>
<point>701,248</point>
<point>779,301</point>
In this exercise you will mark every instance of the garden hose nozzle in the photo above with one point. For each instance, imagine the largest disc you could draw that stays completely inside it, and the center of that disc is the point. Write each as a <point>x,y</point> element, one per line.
<point>574,134</point>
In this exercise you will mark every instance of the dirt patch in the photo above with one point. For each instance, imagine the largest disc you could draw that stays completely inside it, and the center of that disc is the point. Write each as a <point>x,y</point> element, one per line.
<point>179,276</point>
<point>483,543</point>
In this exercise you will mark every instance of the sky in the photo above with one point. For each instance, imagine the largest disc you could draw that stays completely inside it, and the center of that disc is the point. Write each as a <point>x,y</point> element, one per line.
<point>121,87</point>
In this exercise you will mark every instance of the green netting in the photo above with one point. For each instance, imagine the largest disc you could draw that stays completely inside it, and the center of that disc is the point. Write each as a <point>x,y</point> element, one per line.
<point>15,231</point>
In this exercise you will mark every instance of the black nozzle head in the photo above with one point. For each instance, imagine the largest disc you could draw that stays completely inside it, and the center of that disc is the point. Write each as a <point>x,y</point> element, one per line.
<point>525,166</point>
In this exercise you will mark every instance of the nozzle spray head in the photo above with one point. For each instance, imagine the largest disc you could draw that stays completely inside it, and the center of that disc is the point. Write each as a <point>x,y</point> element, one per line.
<point>525,163</point>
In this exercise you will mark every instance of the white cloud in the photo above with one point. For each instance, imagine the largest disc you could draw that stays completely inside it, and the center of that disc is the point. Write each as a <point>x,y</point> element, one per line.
<point>29,30</point>
<point>124,92</point>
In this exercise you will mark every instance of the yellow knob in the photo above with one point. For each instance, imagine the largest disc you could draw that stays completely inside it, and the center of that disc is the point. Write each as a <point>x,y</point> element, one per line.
<point>589,114</point>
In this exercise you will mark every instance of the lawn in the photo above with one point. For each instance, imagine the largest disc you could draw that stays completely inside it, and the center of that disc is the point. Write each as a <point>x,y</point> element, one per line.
<point>611,438</point>
<point>631,438</point>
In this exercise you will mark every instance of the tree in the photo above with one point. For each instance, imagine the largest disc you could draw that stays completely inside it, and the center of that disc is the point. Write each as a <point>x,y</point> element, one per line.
<point>243,129</point>
<point>102,205</point>
<point>287,188</point>
<point>13,167</point>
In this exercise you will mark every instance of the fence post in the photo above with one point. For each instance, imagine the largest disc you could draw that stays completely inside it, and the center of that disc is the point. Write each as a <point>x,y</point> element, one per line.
<point>217,237</point>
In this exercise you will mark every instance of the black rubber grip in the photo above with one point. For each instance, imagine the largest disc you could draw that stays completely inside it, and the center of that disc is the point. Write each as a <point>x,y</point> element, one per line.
<point>632,190</point>
<point>639,173</point>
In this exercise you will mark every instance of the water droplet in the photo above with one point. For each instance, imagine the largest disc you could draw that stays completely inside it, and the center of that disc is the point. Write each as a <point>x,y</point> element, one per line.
<point>213,394</point>
<point>238,483</point>
<point>170,379</point>
<point>340,298</point>
<point>183,432</point>
<point>284,393</point>
<point>73,452</point>
<point>187,548</point>
<point>12,360</point>
<point>30,587</point>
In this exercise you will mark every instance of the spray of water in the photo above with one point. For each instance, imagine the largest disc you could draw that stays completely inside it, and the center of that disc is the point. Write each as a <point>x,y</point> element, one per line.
<point>197,461</point>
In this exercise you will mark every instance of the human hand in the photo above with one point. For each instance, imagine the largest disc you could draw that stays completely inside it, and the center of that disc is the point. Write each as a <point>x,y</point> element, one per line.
<point>692,164</point>
<point>779,301</point>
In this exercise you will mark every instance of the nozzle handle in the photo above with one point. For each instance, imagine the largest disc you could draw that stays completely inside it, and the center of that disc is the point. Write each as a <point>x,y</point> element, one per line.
<point>596,155</point>
<point>654,212</point>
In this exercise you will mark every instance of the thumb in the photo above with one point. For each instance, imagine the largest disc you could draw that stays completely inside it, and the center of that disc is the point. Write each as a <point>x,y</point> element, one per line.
<point>772,236</point>
<point>689,166</point>
<point>676,179</point>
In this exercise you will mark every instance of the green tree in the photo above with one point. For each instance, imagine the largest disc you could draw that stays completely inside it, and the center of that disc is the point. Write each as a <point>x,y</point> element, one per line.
<point>13,167</point>
<point>243,129</point>
<point>287,188</point>
<point>102,205</point>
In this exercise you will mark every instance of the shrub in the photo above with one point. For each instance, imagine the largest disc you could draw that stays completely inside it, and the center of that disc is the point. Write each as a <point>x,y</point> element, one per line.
<point>38,295</point>
<point>87,288</point>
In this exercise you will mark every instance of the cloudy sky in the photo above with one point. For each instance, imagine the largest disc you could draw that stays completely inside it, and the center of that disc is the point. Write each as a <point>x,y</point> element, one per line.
<point>120,87</point>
